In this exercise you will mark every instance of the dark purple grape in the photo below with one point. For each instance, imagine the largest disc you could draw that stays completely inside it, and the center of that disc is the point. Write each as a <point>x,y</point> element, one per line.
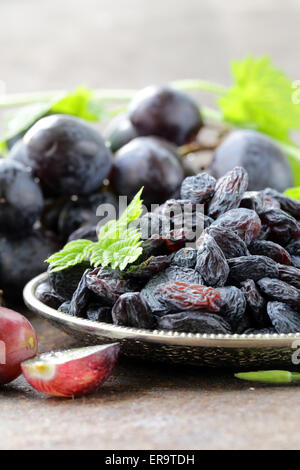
<point>211,263</point>
<point>195,322</point>
<point>87,232</point>
<point>251,267</point>
<point>67,155</point>
<point>119,132</point>
<point>21,259</point>
<point>21,200</point>
<point>261,157</point>
<point>81,211</point>
<point>198,189</point>
<point>149,162</point>
<point>19,154</point>
<point>166,113</point>
<point>132,310</point>
<point>283,318</point>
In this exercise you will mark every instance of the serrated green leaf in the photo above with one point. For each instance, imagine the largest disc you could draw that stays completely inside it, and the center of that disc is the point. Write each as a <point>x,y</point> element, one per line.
<point>118,245</point>
<point>261,98</point>
<point>73,253</point>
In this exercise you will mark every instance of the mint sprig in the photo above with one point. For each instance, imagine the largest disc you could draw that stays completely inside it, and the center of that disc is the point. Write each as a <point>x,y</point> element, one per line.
<point>118,244</point>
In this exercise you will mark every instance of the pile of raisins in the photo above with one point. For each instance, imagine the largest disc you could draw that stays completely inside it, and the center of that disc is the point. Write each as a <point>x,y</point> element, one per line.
<point>241,275</point>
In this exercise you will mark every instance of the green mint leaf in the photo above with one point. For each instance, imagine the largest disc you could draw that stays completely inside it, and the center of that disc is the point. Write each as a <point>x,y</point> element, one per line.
<point>293,193</point>
<point>118,244</point>
<point>73,253</point>
<point>261,98</point>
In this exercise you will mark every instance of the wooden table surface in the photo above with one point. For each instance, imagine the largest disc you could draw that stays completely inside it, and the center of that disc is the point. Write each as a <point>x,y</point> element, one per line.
<point>55,44</point>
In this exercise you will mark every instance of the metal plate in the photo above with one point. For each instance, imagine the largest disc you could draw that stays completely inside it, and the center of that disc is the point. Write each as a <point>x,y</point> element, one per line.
<point>232,351</point>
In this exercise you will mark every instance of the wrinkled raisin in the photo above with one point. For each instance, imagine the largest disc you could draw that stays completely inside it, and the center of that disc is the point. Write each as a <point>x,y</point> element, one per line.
<point>211,263</point>
<point>256,303</point>
<point>262,331</point>
<point>107,284</point>
<point>82,297</point>
<point>284,319</point>
<point>48,296</point>
<point>251,267</point>
<point>287,204</point>
<point>233,308</point>
<point>293,248</point>
<point>198,189</point>
<point>132,310</point>
<point>186,258</point>
<point>244,222</point>
<point>183,296</point>
<point>148,268</point>
<point>195,322</point>
<point>281,291</point>
<point>65,282</point>
<point>229,192</point>
<point>229,242</point>
<point>100,313</point>
<point>271,250</point>
<point>283,227</point>
<point>289,274</point>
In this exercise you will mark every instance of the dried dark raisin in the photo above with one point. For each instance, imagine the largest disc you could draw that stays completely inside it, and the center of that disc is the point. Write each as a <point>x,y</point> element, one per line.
<point>257,304</point>
<point>251,267</point>
<point>132,310</point>
<point>287,204</point>
<point>82,297</point>
<point>183,296</point>
<point>284,319</point>
<point>48,296</point>
<point>229,242</point>
<point>107,284</point>
<point>195,322</point>
<point>283,227</point>
<point>233,308</point>
<point>290,275</point>
<point>229,192</point>
<point>148,268</point>
<point>100,313</point>
<point>293,248</point>
<point>271,250</point>
<point>211,263</point>
<point>244,222</point>
<point>280,291</point>
<point>198,189</point>
<point>186,258</point>
<point>65,282</point>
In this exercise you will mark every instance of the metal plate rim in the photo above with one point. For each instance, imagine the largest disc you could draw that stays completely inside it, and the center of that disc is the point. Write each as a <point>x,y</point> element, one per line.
<point>151,336</point>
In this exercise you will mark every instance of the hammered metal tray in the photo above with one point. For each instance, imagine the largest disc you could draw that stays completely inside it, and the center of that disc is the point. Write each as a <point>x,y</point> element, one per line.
<point>230,351</point>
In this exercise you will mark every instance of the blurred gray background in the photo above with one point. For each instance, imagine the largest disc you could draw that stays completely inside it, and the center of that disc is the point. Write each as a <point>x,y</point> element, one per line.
<point>131,43</point>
